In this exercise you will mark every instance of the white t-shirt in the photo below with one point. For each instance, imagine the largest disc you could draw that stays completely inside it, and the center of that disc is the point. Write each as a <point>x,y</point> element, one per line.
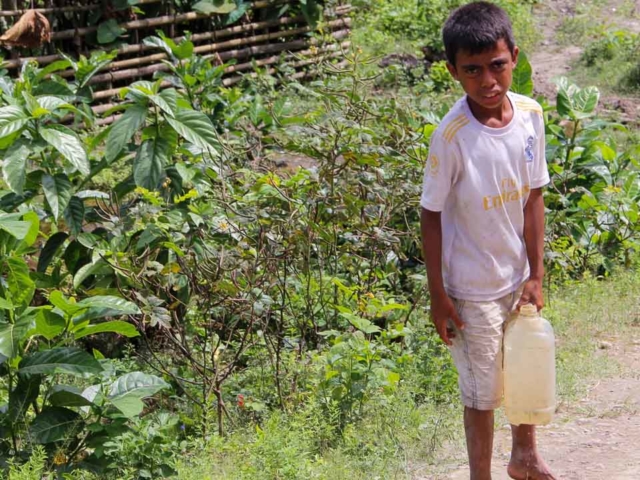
<point>480,178</point>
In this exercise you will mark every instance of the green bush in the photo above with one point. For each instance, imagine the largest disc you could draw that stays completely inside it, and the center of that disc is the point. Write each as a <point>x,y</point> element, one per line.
<point>619,44</point>
<point>408,26</point>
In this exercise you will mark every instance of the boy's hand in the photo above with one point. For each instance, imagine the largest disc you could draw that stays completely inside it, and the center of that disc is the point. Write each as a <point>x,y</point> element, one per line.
<point>532,293</point>
<point>443,310</point>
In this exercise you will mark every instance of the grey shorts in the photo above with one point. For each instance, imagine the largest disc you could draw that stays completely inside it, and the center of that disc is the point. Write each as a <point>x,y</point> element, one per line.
<point>477,350</point>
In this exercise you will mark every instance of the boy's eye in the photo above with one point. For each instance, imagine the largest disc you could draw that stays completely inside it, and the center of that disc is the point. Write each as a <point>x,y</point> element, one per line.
<point>471,70</point>
<point>499,65</point>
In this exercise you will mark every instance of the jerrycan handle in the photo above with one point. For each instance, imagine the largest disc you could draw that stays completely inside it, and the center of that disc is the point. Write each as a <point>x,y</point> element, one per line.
<point>529,310</point>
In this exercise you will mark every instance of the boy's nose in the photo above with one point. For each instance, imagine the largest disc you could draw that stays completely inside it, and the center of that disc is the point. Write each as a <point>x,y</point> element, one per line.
<point>487,80</point>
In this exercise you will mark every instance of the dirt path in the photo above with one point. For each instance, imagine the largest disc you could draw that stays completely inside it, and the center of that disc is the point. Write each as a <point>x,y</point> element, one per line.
<point>596,439</point>
<point>552,59</point>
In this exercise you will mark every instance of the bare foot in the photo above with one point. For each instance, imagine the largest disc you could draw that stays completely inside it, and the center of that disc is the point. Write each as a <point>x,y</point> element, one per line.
<point>529,467</point>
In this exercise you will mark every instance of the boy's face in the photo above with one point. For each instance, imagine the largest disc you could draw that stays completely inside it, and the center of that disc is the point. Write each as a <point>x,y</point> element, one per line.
<point>486,76</point>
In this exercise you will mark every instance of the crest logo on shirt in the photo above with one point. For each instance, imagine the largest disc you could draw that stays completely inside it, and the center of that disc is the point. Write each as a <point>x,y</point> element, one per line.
<point>528,150</point>
<point>434,165</point>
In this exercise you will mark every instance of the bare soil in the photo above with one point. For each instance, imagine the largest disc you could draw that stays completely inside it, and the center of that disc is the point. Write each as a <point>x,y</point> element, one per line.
<point>552,59</point>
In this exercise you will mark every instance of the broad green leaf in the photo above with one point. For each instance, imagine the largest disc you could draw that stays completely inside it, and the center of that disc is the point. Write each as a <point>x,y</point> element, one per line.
<point>574,102</point>
<point>312,11</point>
<point>11,201</point>
<point>215,6</point>
<point>12,119</point>
<point>360,323</point>
<point>9,140</point>
<point>109,31</point>
<point>57,191</point>
<point>72,361</point>
<point>585,101</point>
<point>11,224</point>
<point>563,101</point>
<point>50,249</point>
<point>52,68</point>
<point>14,169</point>
<point>196,128</point>
<point>52,103</point>
<point>99,267</point>
<point>49,324</point>
<point>158,43</point>
<point>21,287</point>
<point>123,130</point>
<point>87,68</point>
<point>53,424</point>
<point>522,82</point>
<point>148,166</point>
<point>54,88</point>
<point>67,396</point>
<point>69,147</point>
<point>162,103</point>
<point>183,50</point>
<point>23,395</point>
<point>34,228</point>
<point>59,301</point>
<point>116,326</point>
<point>6,304</point>
<point>33,107</point>
<point>237,14</point>
<point>11,334</point>
<point>151,234</point>
<point>74,215</point>
<point>127,392</point>
<point>93,394</point>
<point>147,87</point>
<point>170,96</point>
<point>104,306</point>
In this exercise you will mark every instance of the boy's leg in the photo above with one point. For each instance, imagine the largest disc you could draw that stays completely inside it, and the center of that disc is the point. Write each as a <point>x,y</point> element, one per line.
<point>478,427</point>
<point>477,354</point>
<point>526,463</point>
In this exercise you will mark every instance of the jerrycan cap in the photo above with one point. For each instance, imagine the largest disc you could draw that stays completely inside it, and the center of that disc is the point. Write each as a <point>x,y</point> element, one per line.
<point>529,309</point>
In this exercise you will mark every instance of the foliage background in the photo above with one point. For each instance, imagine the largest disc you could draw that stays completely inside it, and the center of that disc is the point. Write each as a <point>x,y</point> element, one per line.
<point>179,298</point>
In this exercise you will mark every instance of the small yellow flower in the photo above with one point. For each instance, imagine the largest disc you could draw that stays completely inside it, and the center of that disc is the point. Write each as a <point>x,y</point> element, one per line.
<point>60,458</point>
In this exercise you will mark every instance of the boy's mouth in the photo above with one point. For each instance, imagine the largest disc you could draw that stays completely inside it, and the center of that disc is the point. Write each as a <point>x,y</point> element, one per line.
<point>491,96</point>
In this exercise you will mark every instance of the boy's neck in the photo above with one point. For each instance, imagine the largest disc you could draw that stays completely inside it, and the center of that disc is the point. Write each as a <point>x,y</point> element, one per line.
<point>495,117</point>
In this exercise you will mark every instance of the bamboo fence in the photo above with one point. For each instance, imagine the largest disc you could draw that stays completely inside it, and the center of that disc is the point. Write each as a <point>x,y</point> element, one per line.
<point>258,39</point>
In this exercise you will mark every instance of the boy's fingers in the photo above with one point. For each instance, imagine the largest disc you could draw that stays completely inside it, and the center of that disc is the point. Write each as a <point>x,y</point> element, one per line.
<point>456,319</point>
<point>441,327</point>
<point>524,299</point>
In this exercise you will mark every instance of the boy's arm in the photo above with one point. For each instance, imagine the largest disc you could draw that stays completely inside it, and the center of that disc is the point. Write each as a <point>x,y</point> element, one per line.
<point>534,242</point>
<point>442,307</point>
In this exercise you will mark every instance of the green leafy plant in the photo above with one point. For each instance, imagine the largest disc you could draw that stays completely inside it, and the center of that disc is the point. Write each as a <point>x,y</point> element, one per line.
<point>594,195</point>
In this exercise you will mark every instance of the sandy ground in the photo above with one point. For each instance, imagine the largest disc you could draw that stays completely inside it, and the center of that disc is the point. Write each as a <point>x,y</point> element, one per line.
<point>552,59</point>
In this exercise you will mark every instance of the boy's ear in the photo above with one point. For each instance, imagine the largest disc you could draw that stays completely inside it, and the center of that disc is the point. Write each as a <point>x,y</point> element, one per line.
<point>516,51</point>
<point>452,70</point>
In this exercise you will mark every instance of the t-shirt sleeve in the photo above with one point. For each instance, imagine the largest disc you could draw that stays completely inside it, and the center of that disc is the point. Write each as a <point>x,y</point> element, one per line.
<point>540,172</point>
<point>440,173</point>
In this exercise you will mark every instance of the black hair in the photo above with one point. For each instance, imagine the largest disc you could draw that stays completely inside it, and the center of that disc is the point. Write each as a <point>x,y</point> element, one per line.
<point>475,28</point>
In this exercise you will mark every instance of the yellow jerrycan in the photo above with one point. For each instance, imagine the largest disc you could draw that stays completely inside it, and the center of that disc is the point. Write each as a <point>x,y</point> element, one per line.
<point>529,369</point>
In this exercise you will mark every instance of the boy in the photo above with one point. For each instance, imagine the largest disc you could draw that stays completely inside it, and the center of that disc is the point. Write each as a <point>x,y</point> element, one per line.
<point>482,224</point>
